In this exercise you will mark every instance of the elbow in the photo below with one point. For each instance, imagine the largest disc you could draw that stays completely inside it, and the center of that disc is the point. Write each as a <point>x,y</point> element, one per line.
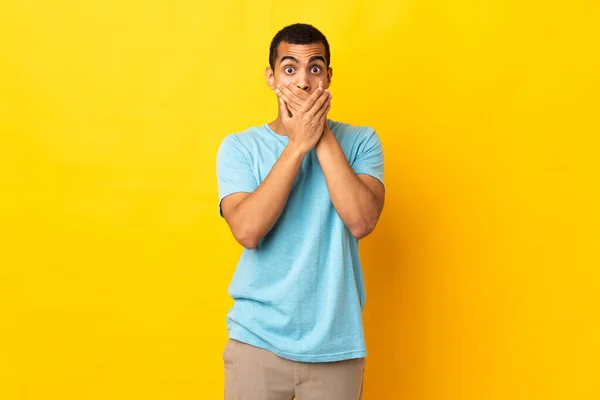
<point>249,245</point>
<point>247,239</point>
<point>245,232</point>
<point>362,228</point>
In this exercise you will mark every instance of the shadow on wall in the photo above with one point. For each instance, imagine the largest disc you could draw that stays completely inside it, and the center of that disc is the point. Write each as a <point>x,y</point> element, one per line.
<point>393,317</point>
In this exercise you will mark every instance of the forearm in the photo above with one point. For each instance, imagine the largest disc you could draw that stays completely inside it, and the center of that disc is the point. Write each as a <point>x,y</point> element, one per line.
<point>254,216</point>
<point>354,202</point>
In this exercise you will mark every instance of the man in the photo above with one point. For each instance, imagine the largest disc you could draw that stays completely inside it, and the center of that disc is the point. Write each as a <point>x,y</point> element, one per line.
<point>298,193</point>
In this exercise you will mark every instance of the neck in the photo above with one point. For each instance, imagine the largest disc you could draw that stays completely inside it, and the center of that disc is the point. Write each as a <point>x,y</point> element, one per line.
<point>277,125</point>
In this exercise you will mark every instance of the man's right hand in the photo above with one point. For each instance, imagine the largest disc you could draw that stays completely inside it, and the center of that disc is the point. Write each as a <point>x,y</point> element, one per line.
<point>306,126</point>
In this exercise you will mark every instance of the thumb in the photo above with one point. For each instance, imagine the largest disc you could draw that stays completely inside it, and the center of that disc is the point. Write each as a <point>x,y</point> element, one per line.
<point>283,110</point>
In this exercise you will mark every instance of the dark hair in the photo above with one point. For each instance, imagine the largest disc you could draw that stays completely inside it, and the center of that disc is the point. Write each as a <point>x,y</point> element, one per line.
<point>298,34</point>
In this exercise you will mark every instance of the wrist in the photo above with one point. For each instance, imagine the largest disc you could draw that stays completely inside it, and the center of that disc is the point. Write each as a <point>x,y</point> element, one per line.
<point>326,136</point>
<point>294,152</point>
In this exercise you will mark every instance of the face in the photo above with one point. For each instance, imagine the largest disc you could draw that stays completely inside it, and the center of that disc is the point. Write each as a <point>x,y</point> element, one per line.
<point>302,65</point>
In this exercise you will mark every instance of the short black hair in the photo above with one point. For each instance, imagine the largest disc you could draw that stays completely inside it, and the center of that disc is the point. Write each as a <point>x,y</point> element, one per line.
<point>298,34</point>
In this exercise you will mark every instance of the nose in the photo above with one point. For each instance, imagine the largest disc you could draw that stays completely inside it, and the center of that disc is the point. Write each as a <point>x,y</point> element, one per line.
<point>302,82</point>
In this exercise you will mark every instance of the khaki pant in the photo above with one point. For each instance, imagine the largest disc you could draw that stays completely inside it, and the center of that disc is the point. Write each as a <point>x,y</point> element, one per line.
<point>252,373</point>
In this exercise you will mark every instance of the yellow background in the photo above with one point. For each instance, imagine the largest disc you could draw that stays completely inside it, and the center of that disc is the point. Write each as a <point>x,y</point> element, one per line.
<point>482,276</point>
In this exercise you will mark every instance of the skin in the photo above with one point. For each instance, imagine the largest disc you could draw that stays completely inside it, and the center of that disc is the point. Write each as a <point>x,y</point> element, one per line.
<point>299,68</point>
<point>300,79</point>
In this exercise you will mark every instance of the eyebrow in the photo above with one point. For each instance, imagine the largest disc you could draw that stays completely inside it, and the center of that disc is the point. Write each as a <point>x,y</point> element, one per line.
<point>313,58</point>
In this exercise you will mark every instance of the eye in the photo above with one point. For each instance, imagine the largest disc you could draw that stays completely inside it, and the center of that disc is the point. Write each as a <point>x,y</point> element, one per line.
<point>288,70</point>
<point>315,70</point>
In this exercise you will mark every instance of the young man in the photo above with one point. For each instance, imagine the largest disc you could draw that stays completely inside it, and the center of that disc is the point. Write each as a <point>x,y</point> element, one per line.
<point>298,193</point>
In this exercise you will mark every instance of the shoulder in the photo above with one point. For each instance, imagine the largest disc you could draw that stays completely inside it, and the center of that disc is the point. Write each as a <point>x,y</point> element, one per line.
<point>241,141</point>
<point>352,134</point>
<point>241,137</point>
<point>343,129</point>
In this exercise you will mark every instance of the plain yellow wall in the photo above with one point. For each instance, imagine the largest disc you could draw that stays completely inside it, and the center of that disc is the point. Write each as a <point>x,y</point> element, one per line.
<point>482,276</point>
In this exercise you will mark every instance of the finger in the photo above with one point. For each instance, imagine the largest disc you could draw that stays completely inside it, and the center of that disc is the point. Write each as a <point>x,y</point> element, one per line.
<point>312,98</point>
<point>289,96</point>
<point>322,113</point>
<point>289,102</point>
<point>292,105</point>
<point>323,118</point>
<point>300,93</point>
<point>325,96</point>
<point>283,110</point>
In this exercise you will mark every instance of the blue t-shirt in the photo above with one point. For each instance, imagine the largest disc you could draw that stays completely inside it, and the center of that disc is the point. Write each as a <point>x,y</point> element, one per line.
<point>300,293</point>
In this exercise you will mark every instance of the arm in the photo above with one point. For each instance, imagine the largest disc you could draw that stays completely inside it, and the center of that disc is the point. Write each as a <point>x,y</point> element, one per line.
<point>251,216</point>
<point>357,198</point>
<point>252,211</point>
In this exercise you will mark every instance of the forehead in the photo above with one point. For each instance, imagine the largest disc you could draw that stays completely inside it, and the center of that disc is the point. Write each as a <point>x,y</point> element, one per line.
<point>302,52</point>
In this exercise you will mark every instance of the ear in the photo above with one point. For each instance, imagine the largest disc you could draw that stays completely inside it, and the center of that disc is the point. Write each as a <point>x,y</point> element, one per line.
<point>269,76</point>
<point>329,75</point>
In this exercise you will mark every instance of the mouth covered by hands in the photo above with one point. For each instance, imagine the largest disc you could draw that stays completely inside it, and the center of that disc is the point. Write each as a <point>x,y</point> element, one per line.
<point>295,97</point>
<point>304,114</point>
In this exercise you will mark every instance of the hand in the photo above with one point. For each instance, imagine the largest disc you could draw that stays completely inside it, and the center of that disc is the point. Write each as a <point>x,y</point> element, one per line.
<point>306,125</point>
<point>293,96</point>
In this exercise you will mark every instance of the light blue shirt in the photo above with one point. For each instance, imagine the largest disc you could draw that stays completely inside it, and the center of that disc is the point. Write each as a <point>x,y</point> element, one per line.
<point>300,293</point>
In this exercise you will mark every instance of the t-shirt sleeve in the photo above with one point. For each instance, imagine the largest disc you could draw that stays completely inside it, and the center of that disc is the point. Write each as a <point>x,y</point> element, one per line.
<point>369,156</point>
<point>234,170</point>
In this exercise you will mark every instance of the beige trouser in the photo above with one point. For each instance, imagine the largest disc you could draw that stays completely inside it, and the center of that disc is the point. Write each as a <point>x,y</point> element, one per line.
<point>252,373</point>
